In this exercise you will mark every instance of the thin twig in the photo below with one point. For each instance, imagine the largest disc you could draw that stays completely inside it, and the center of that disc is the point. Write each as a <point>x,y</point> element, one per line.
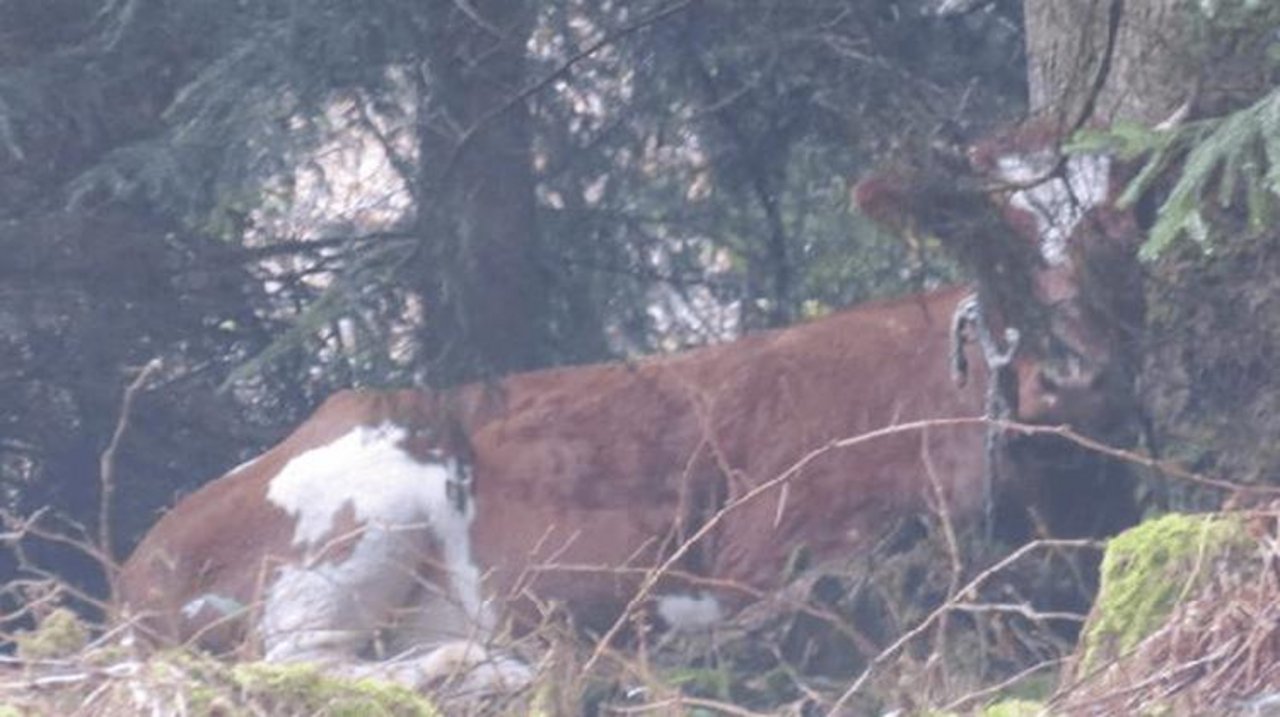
<point>959,703</point>
<point>1017,609</point>
<point>107,473</point>
<point>683,701</point>
<point>953,551</point>
<point>1167,468</point>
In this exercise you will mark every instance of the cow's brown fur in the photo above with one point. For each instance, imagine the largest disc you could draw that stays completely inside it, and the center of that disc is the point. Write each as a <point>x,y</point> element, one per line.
<point>608,466</point>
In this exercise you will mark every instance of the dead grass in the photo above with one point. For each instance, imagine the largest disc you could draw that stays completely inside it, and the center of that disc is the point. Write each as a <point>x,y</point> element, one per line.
<point>933,620</point>
<point>1218,651</point>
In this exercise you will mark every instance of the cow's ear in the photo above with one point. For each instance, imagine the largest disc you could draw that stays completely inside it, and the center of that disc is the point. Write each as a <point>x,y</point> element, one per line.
<point>885,198</point>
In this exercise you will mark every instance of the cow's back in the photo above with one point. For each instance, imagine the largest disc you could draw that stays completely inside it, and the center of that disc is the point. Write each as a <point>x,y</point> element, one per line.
<point>590,475</point>
<point>582,479</point>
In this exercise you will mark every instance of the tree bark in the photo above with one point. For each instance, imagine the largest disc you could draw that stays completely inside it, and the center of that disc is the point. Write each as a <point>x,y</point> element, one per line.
<point>1139,46</point>
<point>1139,60</point>
<point>477,208</point>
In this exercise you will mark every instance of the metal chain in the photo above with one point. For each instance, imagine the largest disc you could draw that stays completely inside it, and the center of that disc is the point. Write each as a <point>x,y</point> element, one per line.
<point>969,323</point>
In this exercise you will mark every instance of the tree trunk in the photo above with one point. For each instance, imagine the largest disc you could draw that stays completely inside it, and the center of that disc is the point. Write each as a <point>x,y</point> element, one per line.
<point>1149,73</point>
<point>1139,60</point>
<point>487,292</point>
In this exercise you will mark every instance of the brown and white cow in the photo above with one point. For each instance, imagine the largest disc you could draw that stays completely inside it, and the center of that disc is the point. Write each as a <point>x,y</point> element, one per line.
<point>411,519</point>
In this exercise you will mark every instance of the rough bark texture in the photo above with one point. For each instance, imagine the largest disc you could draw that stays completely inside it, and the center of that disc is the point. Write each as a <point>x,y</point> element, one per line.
<point>1150,72</point>
<point>478,201</point>
<point>1163,54</point>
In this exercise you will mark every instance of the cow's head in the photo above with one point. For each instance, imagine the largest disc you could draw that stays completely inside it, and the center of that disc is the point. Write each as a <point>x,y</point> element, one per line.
<point>1055,262</point>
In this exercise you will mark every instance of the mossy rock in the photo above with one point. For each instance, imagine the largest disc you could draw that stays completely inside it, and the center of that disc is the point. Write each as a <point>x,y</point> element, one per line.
<point>1147,571</point>
<point>305,690</point>
<point>60,634</point>
<point>177,682</point>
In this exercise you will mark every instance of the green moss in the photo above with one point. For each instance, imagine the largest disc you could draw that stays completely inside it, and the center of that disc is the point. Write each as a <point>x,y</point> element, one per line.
<point>59,634</point>
<point>1149,569</point>
<point>304,690</point>
<point>1014,708</point>
<point>206,687</point>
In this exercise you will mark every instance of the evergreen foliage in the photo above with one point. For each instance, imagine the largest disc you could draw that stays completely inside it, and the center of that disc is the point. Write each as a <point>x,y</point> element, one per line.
<point>1227,166</point>
<point>1228,173</point>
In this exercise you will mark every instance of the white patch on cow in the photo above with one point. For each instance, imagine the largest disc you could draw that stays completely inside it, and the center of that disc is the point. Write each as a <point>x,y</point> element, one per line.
<point>1057,205</point>
<point>330,604</point>
<point>689,613</point>
<point>366,470</point>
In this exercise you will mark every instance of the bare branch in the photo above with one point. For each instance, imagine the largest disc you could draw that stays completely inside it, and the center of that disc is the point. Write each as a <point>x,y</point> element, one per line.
<point>107,473</point>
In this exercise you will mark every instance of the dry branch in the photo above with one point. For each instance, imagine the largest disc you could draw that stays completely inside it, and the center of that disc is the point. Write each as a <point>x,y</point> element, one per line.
<point>107,473</point>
